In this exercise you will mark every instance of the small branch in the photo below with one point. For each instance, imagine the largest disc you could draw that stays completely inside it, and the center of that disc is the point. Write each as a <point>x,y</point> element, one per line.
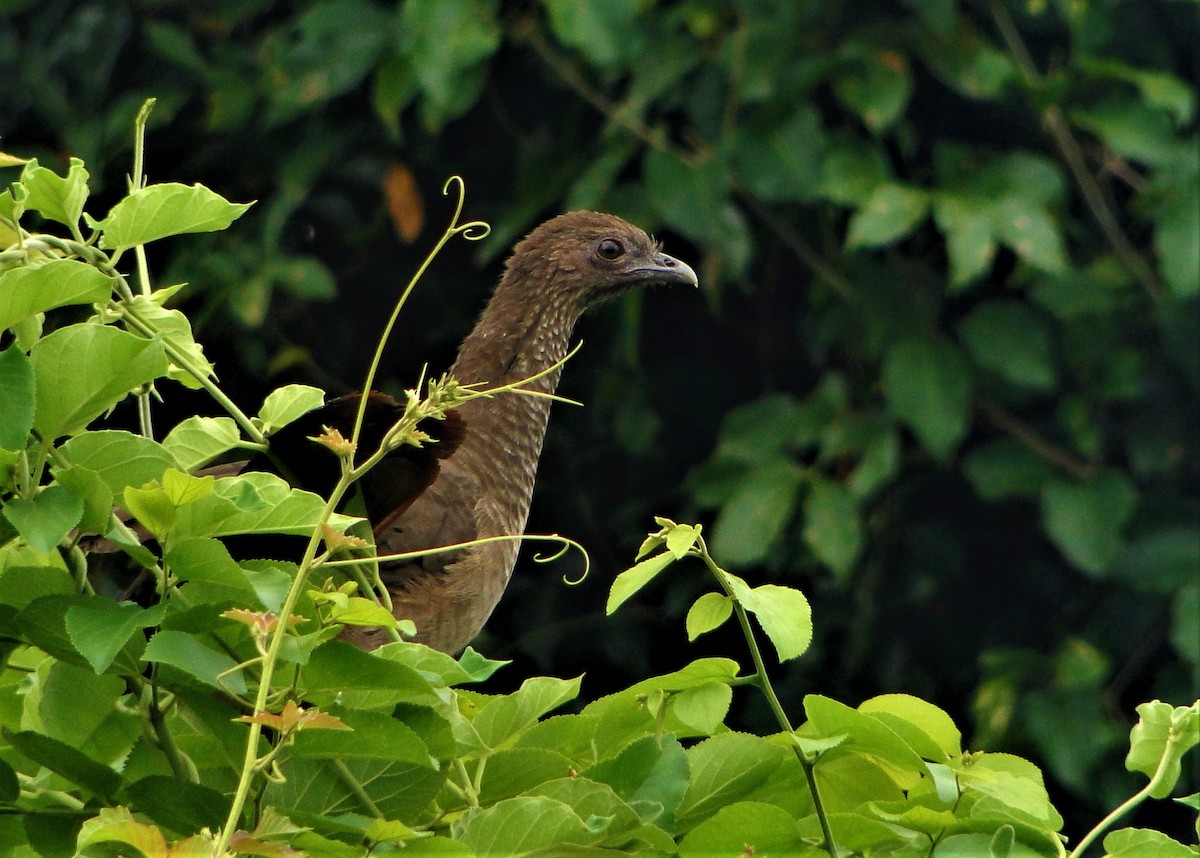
<point>1071,152</point>
<point>1018,429</point>
<point>801,248</point>
<point>528,32</point>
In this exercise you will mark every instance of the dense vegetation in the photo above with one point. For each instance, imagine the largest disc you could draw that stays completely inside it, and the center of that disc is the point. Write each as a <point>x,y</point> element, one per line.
<point>945,379</point>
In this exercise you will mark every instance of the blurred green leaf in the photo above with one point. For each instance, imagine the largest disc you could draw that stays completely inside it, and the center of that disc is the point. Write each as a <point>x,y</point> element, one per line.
<point>888,214</point>
<point>832,527</point>
<point>876,85</point>
<point>604,31</point>
<point>928,385</point>
<point>753,518</point>
<point>1086,518</point>
<point>1008,339</point>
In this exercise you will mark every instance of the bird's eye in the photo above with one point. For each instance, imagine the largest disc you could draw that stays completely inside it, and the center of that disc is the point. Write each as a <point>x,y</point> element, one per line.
<point>610,249</point>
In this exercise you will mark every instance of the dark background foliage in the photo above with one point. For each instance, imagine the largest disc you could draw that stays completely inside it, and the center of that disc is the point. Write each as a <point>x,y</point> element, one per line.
<point>942,373</point>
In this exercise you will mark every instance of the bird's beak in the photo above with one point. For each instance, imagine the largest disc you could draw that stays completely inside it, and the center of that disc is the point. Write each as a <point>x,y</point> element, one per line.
<point>661,268</point>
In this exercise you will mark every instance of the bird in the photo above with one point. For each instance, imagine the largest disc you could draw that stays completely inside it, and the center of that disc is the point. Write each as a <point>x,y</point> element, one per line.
<point>477,480</point>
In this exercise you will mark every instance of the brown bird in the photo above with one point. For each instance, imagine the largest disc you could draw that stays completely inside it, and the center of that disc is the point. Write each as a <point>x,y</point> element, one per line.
<point>489,452</point>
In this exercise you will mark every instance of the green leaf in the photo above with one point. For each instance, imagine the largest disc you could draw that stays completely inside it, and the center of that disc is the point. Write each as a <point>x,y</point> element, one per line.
<point>876,85</point>
<point>1174,237</point>
<point>65,760</point>
<point>196,441</point>
<point>100,628</point>
<point>372,736</point>
<point>96,496</point>
<point>360,680</point>
<point>182,806</point>
<point>514,771</point>
<point>44,520</point>
<point>185,652</point>
<point>635,578</point>
<point>93,368</point>
<point>1144,843</point>
<point>970,238</point>
<point>1160,738</point>
<point>1085,519</point>
<point>708,612</point>
<point>254,503</point>
<point>784,615</point>
<point>519,826</point>
<point>288,403</point>
<point>89,712</point>
<point>16,398</point>
<point>58,198</point>
<point>724,768</point>
<point>1011,341</point>
<point>448,44</point>
<point>744,828</point>
<point>891,212</point>
<point>504,717</point>
<point>651,769</point>
<point>158,211</point>
<point>752,520</point>
<point>119,458</point>
<point>928,385</point>
<point>701,709</point>
<point>927,729</point>
<point>176,330</point>
<point>832,525</point>
<point>1006,468</point>
<point>606,32</point>
<point>48,284</point>
<point>1032,233</point>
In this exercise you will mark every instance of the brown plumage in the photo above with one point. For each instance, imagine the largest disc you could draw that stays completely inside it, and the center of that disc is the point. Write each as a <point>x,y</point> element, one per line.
<point>490,449</point>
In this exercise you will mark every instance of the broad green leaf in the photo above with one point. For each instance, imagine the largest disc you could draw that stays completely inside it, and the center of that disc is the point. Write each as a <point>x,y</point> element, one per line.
<point>158,211</point>
<point>928,385</point>
<point>59,198</point>
<point>20,585</point>
<point>708,612</point>
<point>97,498</point>
<point>635,578</point>
<point>1010,785</point>
<point>702,709</point>
<point>1086,518</point>
<point>10,787</point>
<point>1174,236</point>
<point>515,771</point>
<point>93,368</point>
<point>596,803</point>
<point>255,503</point>
<point>209,572</point>
<point>519,826</point>
<point>286,404</point>
<point>783,613</point>
<point>878,465</point>
<point>927,729</point>
<point>1006,468</point>
<point>506,716</point>
<point>196,440</point>
<point>724,768</point>
<point>890,213</point>
<point>372,736</point>
<point>119,458</point>
<point>1011,341</point>
<point>760,432</point>
<point>185,652</point>
<point>744,828</point>
<point>176,330</point>
<point>89,712</point>
<point>46,285</point>
<point>179,805</point>
<point>117,825</point>
<point>752,520</point>
<point>100,628</point>
<point>681,538</point>
<point>649,769</point>
<point>966,222</point>
<point>156,505</point>
<point>1144,843</point>
<point>44,520</point>
<point>1184,611</point>
<point>851,171</point>
<point>1030,231</point>
<point>65,760</point>
<point>16,398</point>
<point>867,735</point>
<point>360,680</point>
<point>1160,738</point>
<point>832,526</point>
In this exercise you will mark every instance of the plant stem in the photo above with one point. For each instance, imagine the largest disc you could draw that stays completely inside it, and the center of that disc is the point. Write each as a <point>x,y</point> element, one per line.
<point>763,681</point>
<point>1133,801</point>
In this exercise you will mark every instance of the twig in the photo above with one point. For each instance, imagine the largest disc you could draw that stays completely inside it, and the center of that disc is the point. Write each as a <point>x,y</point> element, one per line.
<point>1071,152</point>
<point>1018,429</point>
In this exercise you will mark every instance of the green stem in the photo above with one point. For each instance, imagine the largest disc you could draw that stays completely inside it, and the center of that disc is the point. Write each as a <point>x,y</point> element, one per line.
<point>763,681</point>
<point>1133,801</point>
<point>351,782</point>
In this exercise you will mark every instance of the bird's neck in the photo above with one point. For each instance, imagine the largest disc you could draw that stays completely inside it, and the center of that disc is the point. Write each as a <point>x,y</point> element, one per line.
<point>514,340</point>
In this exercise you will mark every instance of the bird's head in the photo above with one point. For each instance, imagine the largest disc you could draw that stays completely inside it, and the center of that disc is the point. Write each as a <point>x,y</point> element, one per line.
<point>586,257</point>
